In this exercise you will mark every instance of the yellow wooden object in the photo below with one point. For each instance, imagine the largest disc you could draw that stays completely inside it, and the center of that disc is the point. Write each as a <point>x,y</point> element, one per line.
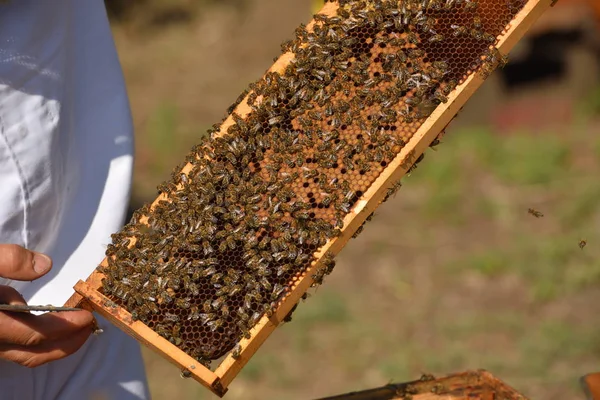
<point>469,385</point>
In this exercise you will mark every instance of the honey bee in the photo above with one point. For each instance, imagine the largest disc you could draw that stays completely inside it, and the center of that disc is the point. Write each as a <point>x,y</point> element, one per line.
<point>264,282</point>
<point>495,57</point>
<point>412,38</point>
<point>254,319</point>
<point>171,317</point>
<point>185,373</point>
<point>164,298</point>
<point>183,303</point>
<point>471,4</point>
<point>176,331</point>
<point>216,278</point>
<point>283,269</point>
<point>288,317</point>
<point>215,324</point>
<point>427,378</point>
<point>153,308</point>
<point>236,352</point>
<point>436,38</point>
<point>535,212</point>
<point>582,243</point>
<point>318,276</point>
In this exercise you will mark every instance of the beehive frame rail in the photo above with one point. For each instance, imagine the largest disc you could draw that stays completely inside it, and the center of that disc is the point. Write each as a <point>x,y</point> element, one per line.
<point>87,293</point>
<point>459,386</point>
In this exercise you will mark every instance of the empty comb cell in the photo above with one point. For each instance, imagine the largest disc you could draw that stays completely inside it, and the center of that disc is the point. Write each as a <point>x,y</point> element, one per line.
<point>260,208</point>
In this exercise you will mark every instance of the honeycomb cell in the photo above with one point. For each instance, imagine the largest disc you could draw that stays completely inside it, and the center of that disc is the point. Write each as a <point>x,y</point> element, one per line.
<point>231,237</point>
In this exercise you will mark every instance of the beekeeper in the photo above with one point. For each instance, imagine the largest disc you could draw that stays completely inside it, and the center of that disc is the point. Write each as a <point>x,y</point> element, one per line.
<point>66,154</point>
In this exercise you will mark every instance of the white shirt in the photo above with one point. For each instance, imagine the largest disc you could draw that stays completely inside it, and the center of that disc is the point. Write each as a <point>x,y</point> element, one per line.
<point>66,156</point>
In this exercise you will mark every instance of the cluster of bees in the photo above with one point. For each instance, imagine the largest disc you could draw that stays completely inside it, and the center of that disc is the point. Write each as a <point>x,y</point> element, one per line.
<point>232,235</point>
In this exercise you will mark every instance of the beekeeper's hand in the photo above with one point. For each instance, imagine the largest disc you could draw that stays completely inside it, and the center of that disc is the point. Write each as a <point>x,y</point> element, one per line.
<point>28,339</point>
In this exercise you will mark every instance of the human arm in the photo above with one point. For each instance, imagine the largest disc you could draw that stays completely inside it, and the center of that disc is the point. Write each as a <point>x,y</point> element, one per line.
<point>33,340</point>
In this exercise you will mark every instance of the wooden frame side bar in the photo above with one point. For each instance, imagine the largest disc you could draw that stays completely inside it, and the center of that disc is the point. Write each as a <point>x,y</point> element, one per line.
<point>122,319</point>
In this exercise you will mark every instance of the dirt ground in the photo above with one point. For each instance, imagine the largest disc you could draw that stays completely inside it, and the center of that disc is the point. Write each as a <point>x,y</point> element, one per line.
<point>453,273</point>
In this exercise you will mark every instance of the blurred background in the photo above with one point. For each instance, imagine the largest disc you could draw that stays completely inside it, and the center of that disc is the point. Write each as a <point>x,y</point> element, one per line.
<point>451,274</point>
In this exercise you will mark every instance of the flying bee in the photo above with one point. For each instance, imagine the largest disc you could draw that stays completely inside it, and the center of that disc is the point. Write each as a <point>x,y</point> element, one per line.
<point>535,212</point>
<point>582,243</point>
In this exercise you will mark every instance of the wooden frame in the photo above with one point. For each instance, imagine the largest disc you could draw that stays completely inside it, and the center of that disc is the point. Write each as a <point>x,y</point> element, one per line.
<point>87,294</point>
<point>469,385</point>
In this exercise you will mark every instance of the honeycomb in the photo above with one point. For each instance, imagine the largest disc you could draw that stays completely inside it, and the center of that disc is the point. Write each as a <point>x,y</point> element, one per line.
<point>230,237</point>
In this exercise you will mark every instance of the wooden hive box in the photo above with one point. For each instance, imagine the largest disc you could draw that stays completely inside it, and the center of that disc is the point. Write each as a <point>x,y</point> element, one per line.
<point>469,385</point>
<point>374,176</point>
